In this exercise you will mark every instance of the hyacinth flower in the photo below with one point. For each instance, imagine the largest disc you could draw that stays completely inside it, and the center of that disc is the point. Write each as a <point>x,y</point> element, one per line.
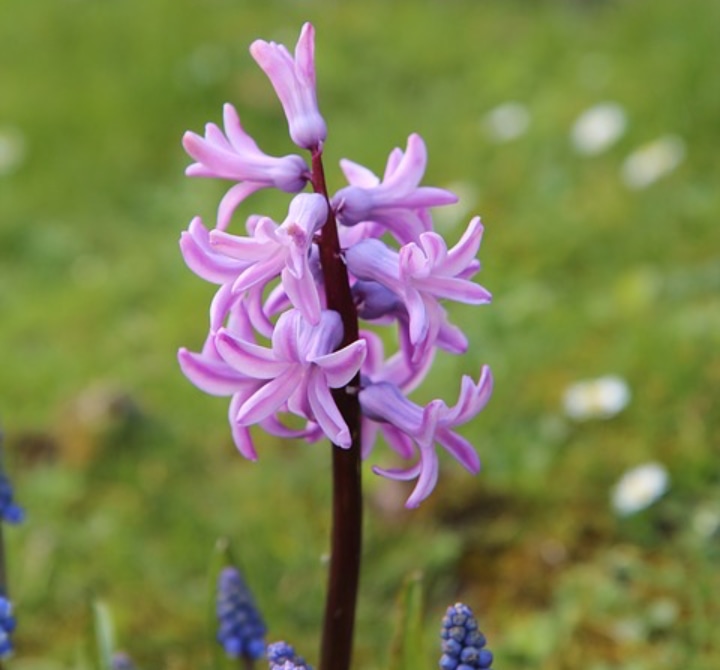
<point>241,629</point>
<point>234,155</point>
<point>396,201</point>
<point>463,645</point>
<point>285,333</point>
<point>283,250</point>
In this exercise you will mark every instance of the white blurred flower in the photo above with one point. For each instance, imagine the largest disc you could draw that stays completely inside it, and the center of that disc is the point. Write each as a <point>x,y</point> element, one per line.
<point>506,122</point>
<point>652,161</point>
<point>639,488</point>
<point>598,128</point>
<point>600,398</point>
<point>12,150</point>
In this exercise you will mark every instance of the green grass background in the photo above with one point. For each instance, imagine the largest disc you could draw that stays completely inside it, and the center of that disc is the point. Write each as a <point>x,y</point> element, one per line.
<point>126,501</point>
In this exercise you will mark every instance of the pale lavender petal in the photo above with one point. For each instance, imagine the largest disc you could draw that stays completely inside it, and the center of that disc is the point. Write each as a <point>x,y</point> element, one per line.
<point>241,434</point>
<point>368,436</point>
<point>303,294</point>
<point>385,402</point>
<point>253,360</point>
<point>427,480</point>
<point>205,261</point>
<point>399,442</point>
<point>460,449</point>
<point>458,290</point>
<point>341,366</point>
<point>249,249</point>
<point>473,397</point>
<point>268,399</point>
<point>463,253</point>
<point>230,201</point>
<point>211,376</point>
<point>357,175</point>
<point>326,413</point>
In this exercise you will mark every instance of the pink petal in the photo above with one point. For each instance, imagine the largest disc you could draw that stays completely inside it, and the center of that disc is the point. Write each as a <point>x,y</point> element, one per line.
<point>253,360</point>
<point>268,399</point>
<point>326,413</point>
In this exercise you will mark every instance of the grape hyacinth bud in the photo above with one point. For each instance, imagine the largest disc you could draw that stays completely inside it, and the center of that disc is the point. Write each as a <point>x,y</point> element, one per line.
<point>122,661</point>
<point>282,656</point>
<point>7,626</point>
<point>462,643</point>
<point>241,628</point>
<point>9,511</point>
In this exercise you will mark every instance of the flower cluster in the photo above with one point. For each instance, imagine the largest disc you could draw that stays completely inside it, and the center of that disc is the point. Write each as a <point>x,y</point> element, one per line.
<point>242,630</point>
<point>10,512</point>
<point>7,626</point>
<point>278,344</point>
<point>282,656</point>
<point>462,643</point>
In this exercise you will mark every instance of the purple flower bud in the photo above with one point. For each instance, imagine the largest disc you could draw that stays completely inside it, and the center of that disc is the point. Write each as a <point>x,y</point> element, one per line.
<point>294,83</point>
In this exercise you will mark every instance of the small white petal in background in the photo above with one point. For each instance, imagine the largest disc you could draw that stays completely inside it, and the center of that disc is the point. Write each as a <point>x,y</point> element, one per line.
<point>12,150</point>
<point>652,161</point>
<point>506,122</point>
<point>600,398</point>
<point>598,128</point>
<point>639,488</point>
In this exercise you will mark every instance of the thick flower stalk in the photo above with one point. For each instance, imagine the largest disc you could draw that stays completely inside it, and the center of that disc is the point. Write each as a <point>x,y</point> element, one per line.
<point>285,336</point>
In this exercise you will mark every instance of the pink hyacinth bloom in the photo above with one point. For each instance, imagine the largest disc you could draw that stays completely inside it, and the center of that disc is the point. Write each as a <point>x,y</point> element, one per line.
<point>422,273</point>
<point>235,155</point>
<point>297,372</point>
<point>294,82</point>
<point>425,426</point>
<point>395,201</point>
<point>209,372</point>
<point>283,250</point>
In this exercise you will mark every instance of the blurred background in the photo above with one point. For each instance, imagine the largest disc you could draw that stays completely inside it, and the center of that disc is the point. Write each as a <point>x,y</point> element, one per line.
<point>584,132</point>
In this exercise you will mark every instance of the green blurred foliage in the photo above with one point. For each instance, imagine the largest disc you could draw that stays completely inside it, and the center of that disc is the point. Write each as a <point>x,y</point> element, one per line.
<point>127,471</point>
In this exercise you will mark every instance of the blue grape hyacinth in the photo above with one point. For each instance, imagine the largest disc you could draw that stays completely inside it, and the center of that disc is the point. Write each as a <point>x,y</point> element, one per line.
<point>282,656</point>
<point>7,626</point>
<point>462,642</point>
<point>241,628</point>
<point>9,511</point>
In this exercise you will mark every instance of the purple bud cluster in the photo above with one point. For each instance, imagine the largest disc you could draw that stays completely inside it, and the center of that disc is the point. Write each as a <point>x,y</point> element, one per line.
<point>282,656</point>
<point>462,643</point>
<point>241,628</point>
<point>7,626</point>
<point>275,345</point>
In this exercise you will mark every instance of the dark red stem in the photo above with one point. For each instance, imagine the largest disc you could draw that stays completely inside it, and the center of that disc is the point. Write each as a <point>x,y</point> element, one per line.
<point>346,539</point>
